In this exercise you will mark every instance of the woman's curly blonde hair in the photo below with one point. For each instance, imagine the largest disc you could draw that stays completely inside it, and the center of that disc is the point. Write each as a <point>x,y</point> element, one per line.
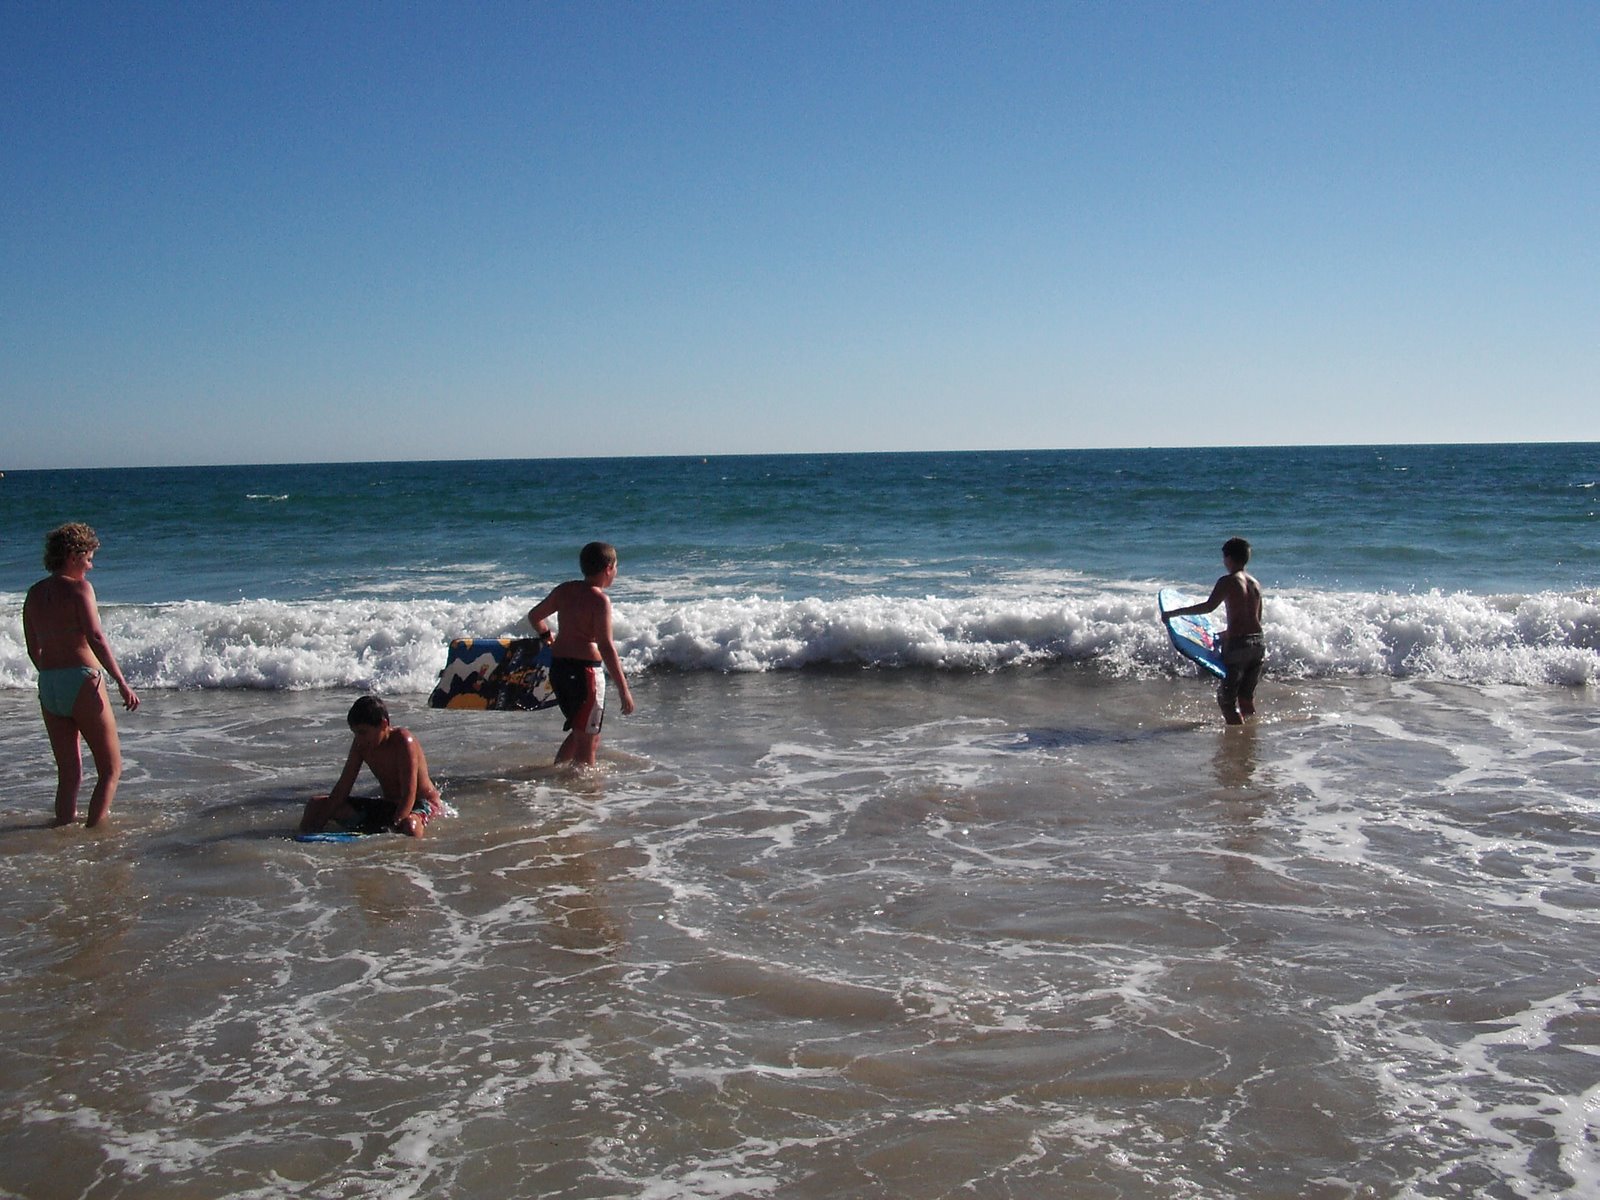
<point>62,543</point>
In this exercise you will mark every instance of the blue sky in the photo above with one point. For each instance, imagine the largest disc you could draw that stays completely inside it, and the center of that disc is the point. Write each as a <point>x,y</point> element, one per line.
<point>341,231</point>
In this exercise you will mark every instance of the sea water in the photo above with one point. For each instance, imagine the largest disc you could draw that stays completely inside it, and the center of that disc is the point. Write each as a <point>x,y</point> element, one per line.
<point>925,868</point>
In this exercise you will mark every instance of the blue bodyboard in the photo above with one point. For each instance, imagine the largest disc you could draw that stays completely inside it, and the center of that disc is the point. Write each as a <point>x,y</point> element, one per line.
<point>335,836</point>
<point>499,674</point>
<point>1197,637</point>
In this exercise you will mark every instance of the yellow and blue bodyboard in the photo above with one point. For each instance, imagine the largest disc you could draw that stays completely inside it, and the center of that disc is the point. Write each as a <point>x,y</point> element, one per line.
<point>499,674</point>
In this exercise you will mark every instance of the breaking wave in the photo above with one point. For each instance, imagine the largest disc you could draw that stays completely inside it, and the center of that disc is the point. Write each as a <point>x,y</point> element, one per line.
<point>397,646</point>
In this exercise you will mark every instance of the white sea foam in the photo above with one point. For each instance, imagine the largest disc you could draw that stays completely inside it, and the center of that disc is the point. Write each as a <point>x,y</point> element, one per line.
<point>814,921</point>
<point>396,645</point>
<point>1447,1077</point>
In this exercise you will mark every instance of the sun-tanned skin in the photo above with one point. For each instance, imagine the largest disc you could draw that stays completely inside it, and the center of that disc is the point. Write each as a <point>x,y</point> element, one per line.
<point>397,763</point>
<point>1240,597</point>
<point>583,631</point>
<point>61,627</point>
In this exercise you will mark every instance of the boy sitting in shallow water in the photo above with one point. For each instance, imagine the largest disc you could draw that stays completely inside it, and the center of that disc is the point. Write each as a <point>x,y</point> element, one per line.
<point>395,757</point>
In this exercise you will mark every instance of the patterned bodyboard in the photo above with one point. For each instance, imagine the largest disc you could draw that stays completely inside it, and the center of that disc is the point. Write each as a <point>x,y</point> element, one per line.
<point>498,674</point>
<point>1198,637</point>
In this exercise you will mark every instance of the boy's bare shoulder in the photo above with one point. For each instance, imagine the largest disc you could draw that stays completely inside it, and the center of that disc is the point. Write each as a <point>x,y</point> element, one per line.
<point>586,595</point>
<point>573,591</point>
<point>397,748</point>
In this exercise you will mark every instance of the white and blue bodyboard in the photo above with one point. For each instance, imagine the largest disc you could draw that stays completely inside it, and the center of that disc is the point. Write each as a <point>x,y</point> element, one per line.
<point>501,674</point>
<point>1198,637</point>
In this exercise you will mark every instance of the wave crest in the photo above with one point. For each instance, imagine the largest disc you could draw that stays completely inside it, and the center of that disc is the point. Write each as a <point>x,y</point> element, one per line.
<point>397,646</point>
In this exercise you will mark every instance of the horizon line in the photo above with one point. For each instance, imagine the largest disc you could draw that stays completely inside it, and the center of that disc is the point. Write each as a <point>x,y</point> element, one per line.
<point>708,457</point>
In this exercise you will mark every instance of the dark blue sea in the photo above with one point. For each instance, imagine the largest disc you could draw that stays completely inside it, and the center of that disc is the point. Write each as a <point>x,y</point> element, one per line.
<point>926,869</point>
<point>1475,563</point>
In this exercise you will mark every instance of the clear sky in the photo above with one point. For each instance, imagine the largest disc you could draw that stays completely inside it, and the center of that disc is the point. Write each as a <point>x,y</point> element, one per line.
<point>302,231</point>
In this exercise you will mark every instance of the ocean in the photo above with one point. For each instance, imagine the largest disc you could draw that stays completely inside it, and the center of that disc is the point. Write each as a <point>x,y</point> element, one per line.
<point>925,869</point>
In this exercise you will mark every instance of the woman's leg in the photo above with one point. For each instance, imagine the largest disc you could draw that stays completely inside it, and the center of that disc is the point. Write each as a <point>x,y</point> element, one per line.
<point>94,718</point>
<point>63,732</point>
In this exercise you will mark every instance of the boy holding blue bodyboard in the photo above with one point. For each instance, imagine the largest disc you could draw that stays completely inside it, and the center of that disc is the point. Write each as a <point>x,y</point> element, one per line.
<point>1244,647</point>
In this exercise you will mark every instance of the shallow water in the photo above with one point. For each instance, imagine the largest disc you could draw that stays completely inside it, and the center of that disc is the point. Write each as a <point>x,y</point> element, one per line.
<point>873,934</point>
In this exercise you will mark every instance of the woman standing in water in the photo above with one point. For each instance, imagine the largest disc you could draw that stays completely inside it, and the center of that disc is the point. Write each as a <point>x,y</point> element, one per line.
<point>61,626</point>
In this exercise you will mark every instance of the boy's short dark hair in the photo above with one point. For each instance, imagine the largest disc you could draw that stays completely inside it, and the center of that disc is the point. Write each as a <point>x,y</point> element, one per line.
<point>596,557</point>
<point>368,710</point>
<point>62,542</point>
<point>1237,549</point>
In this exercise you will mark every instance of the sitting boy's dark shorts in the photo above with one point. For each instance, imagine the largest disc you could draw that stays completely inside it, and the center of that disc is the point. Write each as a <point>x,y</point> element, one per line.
<point>376,814</point>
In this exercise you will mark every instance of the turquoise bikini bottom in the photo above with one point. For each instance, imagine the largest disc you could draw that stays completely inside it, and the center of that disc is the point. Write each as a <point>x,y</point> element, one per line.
<point>59,687</point>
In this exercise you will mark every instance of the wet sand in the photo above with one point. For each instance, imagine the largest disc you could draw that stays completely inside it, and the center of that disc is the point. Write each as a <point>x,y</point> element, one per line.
<point>876,934</point>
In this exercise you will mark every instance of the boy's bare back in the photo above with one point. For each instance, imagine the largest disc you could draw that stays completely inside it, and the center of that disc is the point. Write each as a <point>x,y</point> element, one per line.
<point>1240,596</point>
<point>583,618</point>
